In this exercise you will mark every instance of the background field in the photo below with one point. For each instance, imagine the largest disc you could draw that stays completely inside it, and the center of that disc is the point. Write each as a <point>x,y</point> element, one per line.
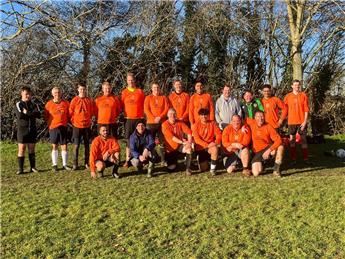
<point>174,216</point>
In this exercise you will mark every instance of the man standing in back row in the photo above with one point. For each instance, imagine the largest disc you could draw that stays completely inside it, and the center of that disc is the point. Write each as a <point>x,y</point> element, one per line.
<point>132,99</point>
<point>298,110</point>
<point>200,100</point>
<point>57,115</point>
<point>179,100</point>
<point>81,111</point>
<point>272,105</point>
<point>226,107</point>
<point>108,108</point>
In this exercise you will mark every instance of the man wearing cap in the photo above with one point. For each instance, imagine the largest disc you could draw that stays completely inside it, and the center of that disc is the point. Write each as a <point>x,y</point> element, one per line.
<point>142,148</point>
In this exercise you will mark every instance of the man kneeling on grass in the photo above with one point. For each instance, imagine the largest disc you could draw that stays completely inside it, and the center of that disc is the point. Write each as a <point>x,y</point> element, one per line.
<point>105,152</point>
<point>174,133</point>
<point>142,148</point>
<point>235,142</point>
<point>263,135</point>
<point>207,137</point>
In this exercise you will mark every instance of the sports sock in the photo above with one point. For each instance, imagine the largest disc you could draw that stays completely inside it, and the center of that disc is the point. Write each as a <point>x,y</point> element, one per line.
<point>276,167</point>
<point>21,163</point>
<point>64,155</point>
<point>32,159</point>
<point>55,154</point>
<point>293,152</point>
<point>305,153</point>
<point>75,154</point>
<point>213,164</point>
<point>87,153</point>
<point>188,161</point>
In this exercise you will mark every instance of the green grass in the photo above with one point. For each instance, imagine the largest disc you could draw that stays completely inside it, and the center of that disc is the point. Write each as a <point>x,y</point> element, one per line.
<point>301,215</point>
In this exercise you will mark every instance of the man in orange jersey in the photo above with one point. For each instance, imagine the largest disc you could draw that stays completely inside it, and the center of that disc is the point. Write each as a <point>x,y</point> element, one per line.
<point>226,106</point>
<point>56,114</point>
<point>298,110</point>
<point>177,139</point>
<point>207,137</point>
<point>105,152</point>
<point>272,105</point>
<point>200,100</point>
<point>81,111</point>
<point>266,144</point>
<point>156,107</point>
<point>133,104</point>
<point>107,109</point>
<point>179,100</point>
<point>235,142</point>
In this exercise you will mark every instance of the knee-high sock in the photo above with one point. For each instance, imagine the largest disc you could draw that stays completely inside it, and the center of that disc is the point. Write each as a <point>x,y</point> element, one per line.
<point>293,152</point>
<point>305,153</point>
<point>75,154</point>
<point>55,154</point>
<point>32,159</point>
<point>21,163</point>
<point>64,155</point>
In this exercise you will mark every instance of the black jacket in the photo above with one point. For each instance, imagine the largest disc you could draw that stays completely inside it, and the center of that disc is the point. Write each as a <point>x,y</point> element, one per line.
<point>27,121</point>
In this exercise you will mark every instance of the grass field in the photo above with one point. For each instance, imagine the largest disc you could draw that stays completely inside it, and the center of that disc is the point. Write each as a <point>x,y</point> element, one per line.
<point>47,215</point>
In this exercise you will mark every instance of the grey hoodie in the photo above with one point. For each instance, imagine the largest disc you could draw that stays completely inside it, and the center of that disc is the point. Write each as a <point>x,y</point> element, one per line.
<point>225,109</point>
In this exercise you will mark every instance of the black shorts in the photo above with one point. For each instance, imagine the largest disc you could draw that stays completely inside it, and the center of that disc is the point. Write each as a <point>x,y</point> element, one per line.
<point>293,129</point>
<point>58,135</point>
<point>107,163</point>
<point>232,159</point>
<point>156,131</point>
<point>172,157</point>
<point>79,133</point>
<point>203,156</point>
<point>111,128</point>
<point>130,127</point>
<point>258,156</point>
<point>24,136</point>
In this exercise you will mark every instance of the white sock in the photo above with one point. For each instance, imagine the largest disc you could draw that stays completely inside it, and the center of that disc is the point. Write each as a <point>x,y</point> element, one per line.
<point>55,155</point>
<point>213,167</point>
<point>64,156</point>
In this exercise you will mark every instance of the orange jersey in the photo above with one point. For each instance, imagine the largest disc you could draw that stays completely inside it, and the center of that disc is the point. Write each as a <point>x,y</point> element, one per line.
<point>174,130</point>
<point>204,134</point>
<point>107,109</point>
<point>133,103</point>
<point>271,109</point>
<point>156,106</point>
<point>198,101</point>
<point>81,111</point>
<point>297,105</point>
<point>230,136</point>
<point>264,136</point>
<point>180,102</point>
<point>99,147</point>
<point>56,114</point>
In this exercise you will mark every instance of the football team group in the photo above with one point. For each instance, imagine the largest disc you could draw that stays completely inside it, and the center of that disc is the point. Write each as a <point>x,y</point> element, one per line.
<point>245,134</point>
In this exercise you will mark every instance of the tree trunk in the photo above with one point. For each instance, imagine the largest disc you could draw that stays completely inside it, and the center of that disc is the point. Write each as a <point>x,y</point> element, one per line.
<point>296,55</point>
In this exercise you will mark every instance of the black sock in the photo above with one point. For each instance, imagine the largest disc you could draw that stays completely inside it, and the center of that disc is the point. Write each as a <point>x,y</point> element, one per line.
<point>21,163</point>
<point>75,155</point>
<point>213,162</point>
<point>188,161</point>
<point>87,153</point>
<point>276,167</point>
<point>32,159</point>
